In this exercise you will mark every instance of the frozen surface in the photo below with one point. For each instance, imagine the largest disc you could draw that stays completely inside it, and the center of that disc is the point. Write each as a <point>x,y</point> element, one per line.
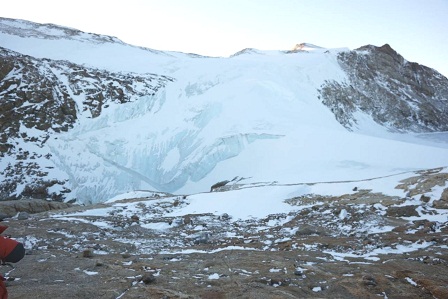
<point>234,117</point>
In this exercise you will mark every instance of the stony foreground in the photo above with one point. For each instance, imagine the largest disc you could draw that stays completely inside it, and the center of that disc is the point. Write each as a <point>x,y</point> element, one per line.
<point>362,245</point>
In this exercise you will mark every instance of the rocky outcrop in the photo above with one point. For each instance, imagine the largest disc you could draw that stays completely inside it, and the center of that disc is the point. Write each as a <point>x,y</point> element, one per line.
<point>49,95</point>
<point>397,94</point>
<point>12,207</point>
<point>31,95</point>
<point>443,202</point>
<point>39,97</point>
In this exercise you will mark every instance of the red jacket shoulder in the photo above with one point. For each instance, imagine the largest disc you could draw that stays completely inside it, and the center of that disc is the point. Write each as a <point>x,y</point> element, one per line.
<point>6,246</point>
<point>3,228</point>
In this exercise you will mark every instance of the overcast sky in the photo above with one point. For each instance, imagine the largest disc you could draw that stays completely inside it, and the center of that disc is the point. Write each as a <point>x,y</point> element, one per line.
<point>417,29</point>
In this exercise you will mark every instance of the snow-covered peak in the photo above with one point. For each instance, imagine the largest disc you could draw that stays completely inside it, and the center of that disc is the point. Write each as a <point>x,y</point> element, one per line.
<point>28,29</point>
<point>94,50</point>
<point>257,52</point>
<point>246,51</point>
<point>298,48</point>
<point>306,47</point>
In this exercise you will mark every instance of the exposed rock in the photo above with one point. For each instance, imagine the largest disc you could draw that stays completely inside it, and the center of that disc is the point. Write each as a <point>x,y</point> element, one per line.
<point>307,230</point>
<point>444,196</point>
<point>425,198</point>
<point>217,186</point>
<point>187,220</point>
<point>23,216</point>
<point>42,94</point>
<point>442,203</point>
<point>401,95</point>
<point>3,216</point>
<point>12,207</point>
<point>424,182</point>
<point>405,211</point>
<point>87,253</point>
<point>225,217</point>
<point>148,278</point>
<point>369,281</point>
<point>126,255</point>
<point>135,218</point>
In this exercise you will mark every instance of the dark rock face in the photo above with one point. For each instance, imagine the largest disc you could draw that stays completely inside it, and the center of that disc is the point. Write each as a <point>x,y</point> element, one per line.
<point>30,93</point>
<point>47,96</point>
<point>401,95</point>
<point>11,208</point>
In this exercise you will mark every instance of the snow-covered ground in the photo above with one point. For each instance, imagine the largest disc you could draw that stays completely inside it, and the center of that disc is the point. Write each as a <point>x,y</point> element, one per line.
<point>274,214</point>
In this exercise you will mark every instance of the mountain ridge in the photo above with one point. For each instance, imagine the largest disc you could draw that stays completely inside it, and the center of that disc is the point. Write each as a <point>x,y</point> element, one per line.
<point>180,123</point>
<point>24,28</point>
<point>419,92</point>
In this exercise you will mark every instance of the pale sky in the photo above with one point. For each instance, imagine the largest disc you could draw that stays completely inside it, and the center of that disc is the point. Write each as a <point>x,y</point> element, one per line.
<point>417,29</point>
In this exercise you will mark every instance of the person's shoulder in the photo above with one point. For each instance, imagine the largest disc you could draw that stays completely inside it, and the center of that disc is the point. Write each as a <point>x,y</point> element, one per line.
<point>2,228</point>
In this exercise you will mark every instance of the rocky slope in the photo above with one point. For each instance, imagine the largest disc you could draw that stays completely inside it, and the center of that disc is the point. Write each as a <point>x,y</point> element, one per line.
<point>362,244</point>
<point>40,96</point>
<point>400,95</point>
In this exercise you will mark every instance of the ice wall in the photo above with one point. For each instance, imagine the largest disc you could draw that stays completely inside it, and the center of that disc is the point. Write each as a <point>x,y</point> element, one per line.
<point>257,117</point>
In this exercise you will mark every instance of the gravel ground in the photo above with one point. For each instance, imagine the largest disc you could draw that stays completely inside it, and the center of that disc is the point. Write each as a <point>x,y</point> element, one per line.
<point>362,245</point>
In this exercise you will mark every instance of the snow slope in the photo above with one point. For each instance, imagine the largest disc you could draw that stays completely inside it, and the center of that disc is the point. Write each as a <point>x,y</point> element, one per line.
<point>61,43</point>
<point>256,116</point>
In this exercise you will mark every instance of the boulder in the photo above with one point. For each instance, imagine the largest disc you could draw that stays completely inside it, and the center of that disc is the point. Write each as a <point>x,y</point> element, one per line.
<point>443,202</point>
<point>405,211</point>
<point>10,208</point>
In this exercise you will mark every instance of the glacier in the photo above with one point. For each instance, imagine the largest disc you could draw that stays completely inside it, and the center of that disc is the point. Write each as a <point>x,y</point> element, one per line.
<point>178,135</point>
<point>255,115</point>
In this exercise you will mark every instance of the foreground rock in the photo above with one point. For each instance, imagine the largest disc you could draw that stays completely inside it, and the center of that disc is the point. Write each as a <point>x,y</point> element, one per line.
<point>11,208</point>
<point>359,245</point>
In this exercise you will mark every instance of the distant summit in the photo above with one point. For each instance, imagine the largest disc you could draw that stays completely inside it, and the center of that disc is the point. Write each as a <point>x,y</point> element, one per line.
<point>246,51</point>
<point>305,47</point>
